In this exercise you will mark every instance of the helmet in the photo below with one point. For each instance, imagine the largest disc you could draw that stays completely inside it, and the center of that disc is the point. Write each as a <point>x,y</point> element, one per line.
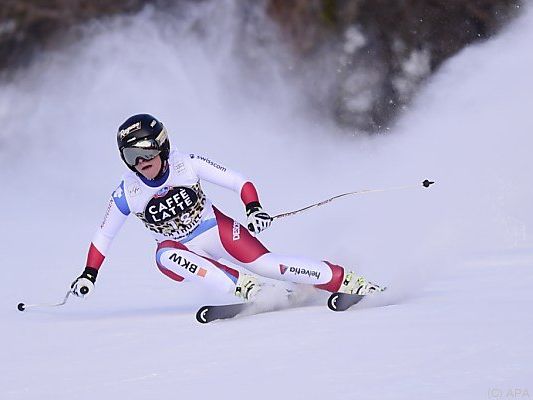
<point>142,136</point>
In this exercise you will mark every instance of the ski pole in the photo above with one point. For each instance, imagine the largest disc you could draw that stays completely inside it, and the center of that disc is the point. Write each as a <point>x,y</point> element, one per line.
<point>22,306</point>
<point>425,184</point>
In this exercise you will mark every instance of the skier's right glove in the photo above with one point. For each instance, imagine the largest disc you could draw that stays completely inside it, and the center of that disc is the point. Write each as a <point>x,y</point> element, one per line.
<point>258,220</point>
<point>84,284</point>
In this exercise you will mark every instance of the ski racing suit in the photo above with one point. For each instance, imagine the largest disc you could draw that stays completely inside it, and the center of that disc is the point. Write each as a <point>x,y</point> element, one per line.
<point>192,234</point>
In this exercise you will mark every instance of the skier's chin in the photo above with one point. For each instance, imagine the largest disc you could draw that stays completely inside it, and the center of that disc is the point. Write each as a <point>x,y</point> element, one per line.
<point>149,171</point>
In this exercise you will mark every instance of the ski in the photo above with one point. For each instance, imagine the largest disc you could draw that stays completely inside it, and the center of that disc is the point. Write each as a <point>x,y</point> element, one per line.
<point>208,314</point>
<point>211,313</point>
<point>342,301</point>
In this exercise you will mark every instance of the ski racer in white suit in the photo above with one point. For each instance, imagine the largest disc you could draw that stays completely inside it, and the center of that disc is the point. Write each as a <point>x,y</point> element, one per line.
<point>164,190</point>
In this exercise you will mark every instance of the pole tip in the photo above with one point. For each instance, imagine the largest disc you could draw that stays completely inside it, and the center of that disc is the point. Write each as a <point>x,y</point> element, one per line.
<point>427,183</point>
<point>21,306</point>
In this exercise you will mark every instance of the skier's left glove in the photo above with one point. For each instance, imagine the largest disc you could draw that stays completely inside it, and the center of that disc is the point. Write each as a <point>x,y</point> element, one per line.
<point>258,220</point>
<point>84,284</point>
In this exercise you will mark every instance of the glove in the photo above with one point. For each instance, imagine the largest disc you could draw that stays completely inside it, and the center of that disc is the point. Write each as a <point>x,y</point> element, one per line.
<point>258,220</point>
<point>84,284</point>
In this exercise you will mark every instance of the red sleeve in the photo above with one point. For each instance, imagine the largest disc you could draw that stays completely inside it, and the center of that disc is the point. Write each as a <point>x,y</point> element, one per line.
<point>94,258</point>
<point>248,193</point>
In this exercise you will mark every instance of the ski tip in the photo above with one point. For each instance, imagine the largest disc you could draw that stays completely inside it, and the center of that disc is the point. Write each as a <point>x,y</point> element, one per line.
<point>342,301</point>
<point>21,306</point>
<point>332,302</point>
<point>427,183</point>
<point>201,315</point>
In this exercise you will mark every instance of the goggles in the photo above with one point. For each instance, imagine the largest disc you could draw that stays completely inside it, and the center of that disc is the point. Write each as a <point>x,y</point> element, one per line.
<point>146,149</point>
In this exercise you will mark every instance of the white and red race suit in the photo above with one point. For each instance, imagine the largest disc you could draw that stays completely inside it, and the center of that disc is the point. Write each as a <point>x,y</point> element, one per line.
<point>192,234</point>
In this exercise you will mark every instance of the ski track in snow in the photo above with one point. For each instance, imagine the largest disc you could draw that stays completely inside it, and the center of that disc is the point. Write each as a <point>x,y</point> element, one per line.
<point>455,322</point>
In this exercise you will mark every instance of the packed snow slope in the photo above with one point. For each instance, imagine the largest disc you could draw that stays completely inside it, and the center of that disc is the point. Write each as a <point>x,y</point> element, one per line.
<point>456,322</point>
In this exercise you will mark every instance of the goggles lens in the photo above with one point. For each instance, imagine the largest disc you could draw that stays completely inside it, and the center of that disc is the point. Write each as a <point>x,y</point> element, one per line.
<point>132,154</point>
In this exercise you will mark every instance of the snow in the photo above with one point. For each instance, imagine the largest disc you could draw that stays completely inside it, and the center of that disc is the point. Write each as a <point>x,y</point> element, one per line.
<point>413,69</point>
<point>456,320</point>
<point>353,39</point>
<point>7,27</point>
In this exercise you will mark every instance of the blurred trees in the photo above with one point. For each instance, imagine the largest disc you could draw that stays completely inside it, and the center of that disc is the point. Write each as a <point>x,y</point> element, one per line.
<point>381,50</point>
<point>360,61</point>
<point>30,25</point>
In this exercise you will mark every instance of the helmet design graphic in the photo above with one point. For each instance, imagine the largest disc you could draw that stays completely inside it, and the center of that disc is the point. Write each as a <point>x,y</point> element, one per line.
<point>142,136</point>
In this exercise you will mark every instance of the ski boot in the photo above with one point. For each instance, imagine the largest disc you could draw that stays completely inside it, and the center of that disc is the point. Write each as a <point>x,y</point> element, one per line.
<point>247,287</point>
<point>353,284</point>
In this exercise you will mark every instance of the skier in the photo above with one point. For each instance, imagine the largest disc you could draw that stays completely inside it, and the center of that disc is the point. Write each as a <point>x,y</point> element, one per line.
<point>164,190</point>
